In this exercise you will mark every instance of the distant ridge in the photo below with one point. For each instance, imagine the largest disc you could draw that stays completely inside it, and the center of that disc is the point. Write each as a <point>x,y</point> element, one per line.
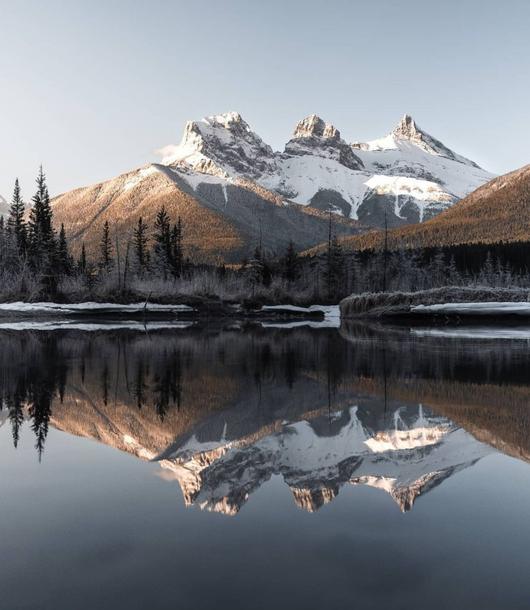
<point>499,211</point>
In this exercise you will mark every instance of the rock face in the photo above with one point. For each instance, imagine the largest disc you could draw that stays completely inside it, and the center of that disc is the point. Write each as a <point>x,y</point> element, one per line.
<point>312,136</point>
<point>408,130</point>
<point>409,175</point>
<point>222,145</point>
<point>230,186</point>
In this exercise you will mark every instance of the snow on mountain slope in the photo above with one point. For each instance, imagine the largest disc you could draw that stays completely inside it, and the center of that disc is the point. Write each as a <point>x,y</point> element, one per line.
<point>225,218</point>
<point>4,206</point>
<point>222,145</point>
<point>410,152</point>
<point>408,175</point>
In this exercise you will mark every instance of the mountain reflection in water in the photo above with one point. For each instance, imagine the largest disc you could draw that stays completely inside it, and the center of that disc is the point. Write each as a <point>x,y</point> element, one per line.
<point>222,411</point>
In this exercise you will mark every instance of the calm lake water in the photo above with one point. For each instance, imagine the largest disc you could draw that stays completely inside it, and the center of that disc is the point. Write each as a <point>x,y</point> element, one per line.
<point>264,468</point>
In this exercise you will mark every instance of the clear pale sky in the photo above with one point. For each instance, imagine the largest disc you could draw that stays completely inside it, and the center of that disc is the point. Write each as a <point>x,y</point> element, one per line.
<point>92,88</point>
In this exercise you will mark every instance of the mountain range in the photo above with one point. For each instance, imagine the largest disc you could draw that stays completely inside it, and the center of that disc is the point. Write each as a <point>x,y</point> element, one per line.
<point>234,191</point>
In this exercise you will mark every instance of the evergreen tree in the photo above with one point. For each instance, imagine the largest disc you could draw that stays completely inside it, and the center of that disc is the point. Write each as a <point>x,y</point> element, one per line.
<point>453,275</point>
<point>140,240</point>
<point>16,221</point>
<point>260,271</point>
<point>10,258</point>
<point>437,270</point>
<point>290,264</point>
<point>41,236</point>
<point>162,236</point>
<point>177,254</point>
<point>105,247</point>
<point>335,269</point>
<point>16,417</point>
<point>82,262</point>
<point>63,257</point>
<point>488,271</point>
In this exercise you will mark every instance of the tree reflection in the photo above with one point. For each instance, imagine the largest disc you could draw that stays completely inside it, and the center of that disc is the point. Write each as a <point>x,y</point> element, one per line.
<point>176,379</point>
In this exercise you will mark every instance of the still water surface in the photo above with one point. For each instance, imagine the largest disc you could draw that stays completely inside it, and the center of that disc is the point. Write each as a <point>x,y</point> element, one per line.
<point>264,468</point>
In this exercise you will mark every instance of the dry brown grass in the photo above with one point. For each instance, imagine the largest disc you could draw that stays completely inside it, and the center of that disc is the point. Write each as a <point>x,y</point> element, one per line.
<point>378,303</point>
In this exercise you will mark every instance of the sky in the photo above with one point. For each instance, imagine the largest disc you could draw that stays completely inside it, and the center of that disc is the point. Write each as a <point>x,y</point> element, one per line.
<point>92,89</point>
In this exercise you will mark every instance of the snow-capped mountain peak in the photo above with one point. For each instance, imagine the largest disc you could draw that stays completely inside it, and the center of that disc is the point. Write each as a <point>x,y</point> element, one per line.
<point>408,174</point>
<point>313,136</point>
<point>223,145</point>
<point>407,128</point>
<point>313,125</point>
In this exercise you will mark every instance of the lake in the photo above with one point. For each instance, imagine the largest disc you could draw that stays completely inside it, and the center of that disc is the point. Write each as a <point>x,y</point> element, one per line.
<point>261,467</point>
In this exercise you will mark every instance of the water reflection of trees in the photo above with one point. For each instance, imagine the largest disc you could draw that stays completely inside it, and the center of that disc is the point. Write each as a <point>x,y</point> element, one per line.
<point>179,378</point>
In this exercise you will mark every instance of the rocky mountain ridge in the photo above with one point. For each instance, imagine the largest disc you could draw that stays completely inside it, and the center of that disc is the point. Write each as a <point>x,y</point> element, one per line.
<point>233,191</point>
<point>408,174</point>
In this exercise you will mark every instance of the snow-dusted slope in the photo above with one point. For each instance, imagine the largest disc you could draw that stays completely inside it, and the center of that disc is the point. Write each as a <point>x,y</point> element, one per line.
<point>408,174</point>
<point>224,218</point>
<point>4,206</point>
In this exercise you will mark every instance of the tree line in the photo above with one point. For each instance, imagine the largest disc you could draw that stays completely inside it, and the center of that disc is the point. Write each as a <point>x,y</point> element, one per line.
<point>30,246</point>
<point>36,261</point>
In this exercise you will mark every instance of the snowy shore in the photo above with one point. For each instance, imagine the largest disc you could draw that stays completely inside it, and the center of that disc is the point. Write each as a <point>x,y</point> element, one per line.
<point>440,303</point>
<point>94,316</point>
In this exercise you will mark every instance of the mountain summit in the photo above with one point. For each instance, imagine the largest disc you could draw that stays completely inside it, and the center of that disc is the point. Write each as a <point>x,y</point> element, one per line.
<point>408,174</point>
<point>233,190</point>
<point>313,125</point>
<point>408,130</point>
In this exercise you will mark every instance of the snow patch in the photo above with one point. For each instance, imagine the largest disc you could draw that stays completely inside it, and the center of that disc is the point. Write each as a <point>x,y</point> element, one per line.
<point>475,309</point>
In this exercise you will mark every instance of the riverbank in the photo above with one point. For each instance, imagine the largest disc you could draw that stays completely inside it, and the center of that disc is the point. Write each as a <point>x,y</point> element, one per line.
<point>193,310</point>
<point>440,304</point>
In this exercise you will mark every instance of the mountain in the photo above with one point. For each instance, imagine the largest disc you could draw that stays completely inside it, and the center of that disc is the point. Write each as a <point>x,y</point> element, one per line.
<point>409,174</point>
<point>4,206</point>
<point>498,211</point>
<point>223,220</point>
<point>233,190</point>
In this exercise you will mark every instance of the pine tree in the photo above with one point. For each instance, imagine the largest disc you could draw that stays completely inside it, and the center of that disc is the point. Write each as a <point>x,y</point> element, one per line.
<point>106,262</point>
<point>16,221</point>
<point>385,255</point>
<point>82,262</point>
<point>177,254</point>
<point>63,257</point>
<point>488,270</point>
<point>16,417</point>
<point>10,259</point>
<point>335,269</point>
<point>140,240</point>
<point>437,269</point>
<point>41,236</point>
<point>290,264</point>
<point>162,237</point>
<point>453,275</point>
